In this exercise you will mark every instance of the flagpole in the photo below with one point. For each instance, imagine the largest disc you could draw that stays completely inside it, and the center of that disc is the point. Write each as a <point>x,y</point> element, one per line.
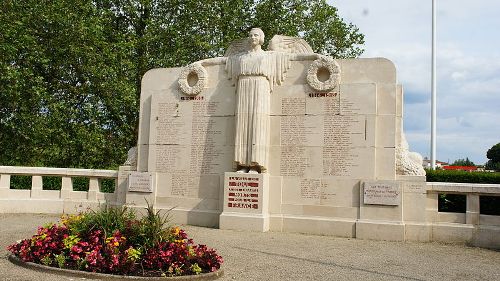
<point>433,89</point>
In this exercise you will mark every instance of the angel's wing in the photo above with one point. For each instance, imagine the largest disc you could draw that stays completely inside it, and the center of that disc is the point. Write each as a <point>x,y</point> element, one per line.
<point>238,46</point>
<point>289,44</point>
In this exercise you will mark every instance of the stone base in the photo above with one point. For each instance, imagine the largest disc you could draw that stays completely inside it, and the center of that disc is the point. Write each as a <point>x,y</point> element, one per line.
<point>247,222</point>
<point>487,236</point>
<point>418,232</point>
<point>380,230</point>
<point>246,202</point>
<point>453,232</point>
<point>314,225</point>
<point>198,217</point>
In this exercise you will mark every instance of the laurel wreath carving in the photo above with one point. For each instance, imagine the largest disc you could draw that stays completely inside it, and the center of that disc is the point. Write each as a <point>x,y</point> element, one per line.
<point>333,69</point>
<point>201,74</point>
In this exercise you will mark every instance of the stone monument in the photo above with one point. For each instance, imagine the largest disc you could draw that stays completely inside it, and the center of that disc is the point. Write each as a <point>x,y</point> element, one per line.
<point>281,140</point>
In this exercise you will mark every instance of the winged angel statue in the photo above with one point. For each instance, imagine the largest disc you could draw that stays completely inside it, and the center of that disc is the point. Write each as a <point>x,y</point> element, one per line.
<point>255,73</point>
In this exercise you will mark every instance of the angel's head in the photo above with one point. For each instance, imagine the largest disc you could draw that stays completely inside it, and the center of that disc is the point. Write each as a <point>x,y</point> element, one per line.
<point>256,36</point>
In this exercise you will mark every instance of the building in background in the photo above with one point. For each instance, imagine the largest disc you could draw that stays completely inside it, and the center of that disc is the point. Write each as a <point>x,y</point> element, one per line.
<point>426,163</point>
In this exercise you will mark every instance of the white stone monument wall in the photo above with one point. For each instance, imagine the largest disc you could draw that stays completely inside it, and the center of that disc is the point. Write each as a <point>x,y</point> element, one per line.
<point>323,145</point>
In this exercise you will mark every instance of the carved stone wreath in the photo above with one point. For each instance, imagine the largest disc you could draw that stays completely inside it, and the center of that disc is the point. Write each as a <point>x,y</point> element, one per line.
<point>199,72</point>
<point>323,63</point>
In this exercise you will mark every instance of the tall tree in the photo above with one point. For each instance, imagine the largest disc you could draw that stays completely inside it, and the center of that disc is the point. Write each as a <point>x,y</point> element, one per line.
<point>463,162</point>
<point>65,80</point>
<point>70,70</point>
<point>493,154</point>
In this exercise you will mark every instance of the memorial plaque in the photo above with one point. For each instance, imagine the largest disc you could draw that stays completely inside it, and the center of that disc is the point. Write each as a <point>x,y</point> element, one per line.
<point>415,187</point>
<point>140,182</point>
<point>382,193</point>
<point>243,192</point>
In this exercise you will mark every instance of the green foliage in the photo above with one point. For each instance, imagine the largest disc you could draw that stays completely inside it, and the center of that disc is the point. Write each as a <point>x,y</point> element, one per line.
<point>108,185</point>
<point>315,21</point>
<point>46,260</point>
<point>68,99</point>
<point>81,184</point>
<point>494,155</point>
<point>20,182</point>
<point>196,269</point>
<point>455,203</point>
<point>151,229</point>
<point>490,165</point>
<point>55,183</point>
<point>463,162</point>
<point>70,70</point>
<point>154,228</point>
<point>462,176</point>
<point>61,260</point>
<point>107,219</point>
<point>52,183</point>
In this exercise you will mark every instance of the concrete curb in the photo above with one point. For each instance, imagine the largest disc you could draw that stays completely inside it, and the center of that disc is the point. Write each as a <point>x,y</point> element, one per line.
<point>101,276</point>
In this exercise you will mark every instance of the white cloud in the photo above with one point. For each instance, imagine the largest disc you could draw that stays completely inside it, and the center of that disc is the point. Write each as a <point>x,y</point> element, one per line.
<point>468,68</point>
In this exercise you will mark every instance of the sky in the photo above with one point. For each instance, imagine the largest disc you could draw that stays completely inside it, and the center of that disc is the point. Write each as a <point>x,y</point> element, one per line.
<point>468,68</point>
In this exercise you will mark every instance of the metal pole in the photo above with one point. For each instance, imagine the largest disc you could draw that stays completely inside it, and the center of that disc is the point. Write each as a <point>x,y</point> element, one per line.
<point>433,86</point>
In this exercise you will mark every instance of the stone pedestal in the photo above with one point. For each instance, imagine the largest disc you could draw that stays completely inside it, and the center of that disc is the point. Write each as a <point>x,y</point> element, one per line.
<point>381,212</point>
<point>246,202</point>
<point>417,222</point>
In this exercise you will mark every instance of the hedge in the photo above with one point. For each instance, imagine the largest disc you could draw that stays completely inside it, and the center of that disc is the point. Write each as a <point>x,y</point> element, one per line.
<point>462,176</point>
<point>54,183</point>
<point>490,205</point>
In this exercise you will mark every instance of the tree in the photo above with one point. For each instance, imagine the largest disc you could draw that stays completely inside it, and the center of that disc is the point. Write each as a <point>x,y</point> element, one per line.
<point>463,162</point>
<point>66,91</point>
<point>493,154</point>
<point>70,70</point>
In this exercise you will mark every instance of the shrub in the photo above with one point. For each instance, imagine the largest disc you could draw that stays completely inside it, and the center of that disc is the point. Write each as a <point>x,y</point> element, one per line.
<point>457,203</point>
<point>462,176</point>
<point>113,240</point>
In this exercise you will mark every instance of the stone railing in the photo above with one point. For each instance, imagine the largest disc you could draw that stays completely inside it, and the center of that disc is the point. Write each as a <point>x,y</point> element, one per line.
<point>35,199</point>
<point>470,227</point>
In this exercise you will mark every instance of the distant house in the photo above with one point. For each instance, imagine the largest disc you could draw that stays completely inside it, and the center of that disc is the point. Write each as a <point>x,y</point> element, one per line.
<point>461,168</point>
<point>426,163</point>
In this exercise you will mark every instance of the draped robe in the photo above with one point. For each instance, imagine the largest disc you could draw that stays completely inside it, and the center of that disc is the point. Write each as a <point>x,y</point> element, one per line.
<point>255,74</point>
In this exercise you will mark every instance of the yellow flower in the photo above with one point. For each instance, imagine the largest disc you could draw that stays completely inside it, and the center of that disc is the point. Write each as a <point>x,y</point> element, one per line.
<point>176,230</point>
<point>69,219</point>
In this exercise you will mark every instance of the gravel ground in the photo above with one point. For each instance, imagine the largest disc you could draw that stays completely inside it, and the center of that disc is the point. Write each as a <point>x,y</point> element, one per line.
<point>286,256</point>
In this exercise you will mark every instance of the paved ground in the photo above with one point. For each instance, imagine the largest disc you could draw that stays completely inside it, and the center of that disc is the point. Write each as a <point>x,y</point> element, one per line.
<point>285,256</point>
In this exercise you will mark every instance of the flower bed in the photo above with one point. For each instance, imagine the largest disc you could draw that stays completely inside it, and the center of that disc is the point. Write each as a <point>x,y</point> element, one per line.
<point>115,241</point>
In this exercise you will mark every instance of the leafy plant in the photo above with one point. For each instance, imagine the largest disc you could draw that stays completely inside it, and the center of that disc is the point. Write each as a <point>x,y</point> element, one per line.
<point>106,219</point>
<point>155,227</point>
<point>113,240</point>
<point>462,176</point>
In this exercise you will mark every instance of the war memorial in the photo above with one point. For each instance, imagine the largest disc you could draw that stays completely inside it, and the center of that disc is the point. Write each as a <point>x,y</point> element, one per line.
<point>281,140</point>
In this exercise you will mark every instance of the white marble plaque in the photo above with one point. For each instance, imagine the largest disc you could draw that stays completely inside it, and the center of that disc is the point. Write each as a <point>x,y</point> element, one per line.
<point>382,193</point>
<point>140,182</point>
